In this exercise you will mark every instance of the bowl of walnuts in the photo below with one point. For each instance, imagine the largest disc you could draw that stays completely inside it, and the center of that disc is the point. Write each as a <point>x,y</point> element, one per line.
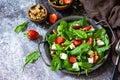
<point>37,13</point>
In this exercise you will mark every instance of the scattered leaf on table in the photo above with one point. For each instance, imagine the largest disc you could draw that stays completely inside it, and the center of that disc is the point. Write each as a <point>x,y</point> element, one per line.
<point>32,57</point>
<point>21,27</point>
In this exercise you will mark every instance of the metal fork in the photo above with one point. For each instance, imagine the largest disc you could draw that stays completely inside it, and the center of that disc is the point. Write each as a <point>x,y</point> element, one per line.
<point>117,49</point>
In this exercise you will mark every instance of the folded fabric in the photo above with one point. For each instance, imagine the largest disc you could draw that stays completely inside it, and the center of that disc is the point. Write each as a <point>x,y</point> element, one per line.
<point>108,10</point>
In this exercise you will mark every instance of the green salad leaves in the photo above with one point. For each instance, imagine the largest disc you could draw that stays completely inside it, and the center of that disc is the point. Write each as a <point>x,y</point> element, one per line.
<point>77,46</point>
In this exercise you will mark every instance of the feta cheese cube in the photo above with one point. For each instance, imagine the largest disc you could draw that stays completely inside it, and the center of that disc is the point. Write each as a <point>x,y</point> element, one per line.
<point>54,47</point>
<point>100,43</point>
<point>92,29</point>
<point>90,60</point>
<point>63,56</point>
<point>72,46</point>
<point>75,65</point>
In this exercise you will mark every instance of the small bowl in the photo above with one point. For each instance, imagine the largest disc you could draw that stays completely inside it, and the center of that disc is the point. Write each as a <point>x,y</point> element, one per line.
<point>37,13</point>
<point>58,7</point>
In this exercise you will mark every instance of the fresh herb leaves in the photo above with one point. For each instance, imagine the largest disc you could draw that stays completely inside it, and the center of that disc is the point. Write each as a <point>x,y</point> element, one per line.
<point>56,63</point>
<point>32,57</point>
<point>21,27</point>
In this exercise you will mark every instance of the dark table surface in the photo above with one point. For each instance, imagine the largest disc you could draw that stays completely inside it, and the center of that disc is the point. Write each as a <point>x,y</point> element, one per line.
<point>14,47</point>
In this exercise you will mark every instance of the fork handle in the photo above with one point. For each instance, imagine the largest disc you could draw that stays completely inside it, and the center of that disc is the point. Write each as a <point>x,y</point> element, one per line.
<point>115,68</point>
<point>114,72</point>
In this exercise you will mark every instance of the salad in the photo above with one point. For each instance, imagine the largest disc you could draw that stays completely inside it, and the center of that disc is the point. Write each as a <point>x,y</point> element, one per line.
<point>77,46</point>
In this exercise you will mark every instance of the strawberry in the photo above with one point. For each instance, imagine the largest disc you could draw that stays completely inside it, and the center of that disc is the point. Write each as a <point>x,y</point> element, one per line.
<point>90,41</point>
<point>96,58</point>
<point>53,18</point>
<point>77,42</point>
<point>72,59</point>
<point>32,34</point>
<point>59,40</point>
<point>67,2</point>
<point>76,27</point>
<point>87,28</point>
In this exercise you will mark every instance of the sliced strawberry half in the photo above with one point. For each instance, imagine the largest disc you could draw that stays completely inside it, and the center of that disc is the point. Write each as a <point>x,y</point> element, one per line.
<point>76,27</point>
<point>59,40</point>
<point>77,42</point>
<point>72,59</point>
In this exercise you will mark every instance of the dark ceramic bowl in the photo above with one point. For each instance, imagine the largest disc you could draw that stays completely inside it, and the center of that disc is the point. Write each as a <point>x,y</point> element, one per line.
<point>96,25</point>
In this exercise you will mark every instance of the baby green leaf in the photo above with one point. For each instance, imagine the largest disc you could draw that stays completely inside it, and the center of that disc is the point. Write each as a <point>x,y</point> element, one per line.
<point>32,57</point>
<point>20,27</point>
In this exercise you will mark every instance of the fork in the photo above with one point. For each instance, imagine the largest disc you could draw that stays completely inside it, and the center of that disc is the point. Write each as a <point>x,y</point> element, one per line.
<point>117,49</point>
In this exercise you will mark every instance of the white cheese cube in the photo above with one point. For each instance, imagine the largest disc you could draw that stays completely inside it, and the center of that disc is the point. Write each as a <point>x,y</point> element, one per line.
<point>63,56</point>
<point>100,43</point>
<point>75,65</point>
<point>72,46</point>
<point>54,47</point>
<point>90,60</point>
<point>92,29</point>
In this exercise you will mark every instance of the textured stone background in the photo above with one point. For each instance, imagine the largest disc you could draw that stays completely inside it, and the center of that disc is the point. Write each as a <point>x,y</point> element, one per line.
<point>14,47</point>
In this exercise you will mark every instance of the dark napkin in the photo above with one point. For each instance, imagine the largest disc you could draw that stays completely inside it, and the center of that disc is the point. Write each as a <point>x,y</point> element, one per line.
<point>108,10</point>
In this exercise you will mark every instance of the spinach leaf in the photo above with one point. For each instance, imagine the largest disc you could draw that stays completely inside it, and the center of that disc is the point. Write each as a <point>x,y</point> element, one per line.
<point>102,49</point>
<point>85,66</point>
<point>51,38</point>
<point>32,57</point>
<point>80,49</point>
<point>83,22</point>
<point>56,62</point>
<point>67,42</point>
<point>80,34</point>
<point>62,29</point>
<point>20,27</point>
<point>105,40</point>
<point>59,47</point>
<point>99,33</point>
<point>68,66</point>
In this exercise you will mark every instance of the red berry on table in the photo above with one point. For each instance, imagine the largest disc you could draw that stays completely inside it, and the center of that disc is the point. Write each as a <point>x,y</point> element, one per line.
<point>53,18</point>
<point>32,34</point>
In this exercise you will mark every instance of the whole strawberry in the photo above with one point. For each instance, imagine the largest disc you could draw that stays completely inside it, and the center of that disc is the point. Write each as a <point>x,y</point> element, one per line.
<point>32,34</point>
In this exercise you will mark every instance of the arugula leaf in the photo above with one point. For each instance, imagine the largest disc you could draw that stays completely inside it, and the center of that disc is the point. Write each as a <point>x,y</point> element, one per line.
<point>80,49</point>
<point>56,62</point>
<point>32,57</point>
<point>20,27</point>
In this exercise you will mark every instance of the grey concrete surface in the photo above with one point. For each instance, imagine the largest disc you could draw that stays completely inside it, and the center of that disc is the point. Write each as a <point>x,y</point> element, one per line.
<point>14,47</point>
